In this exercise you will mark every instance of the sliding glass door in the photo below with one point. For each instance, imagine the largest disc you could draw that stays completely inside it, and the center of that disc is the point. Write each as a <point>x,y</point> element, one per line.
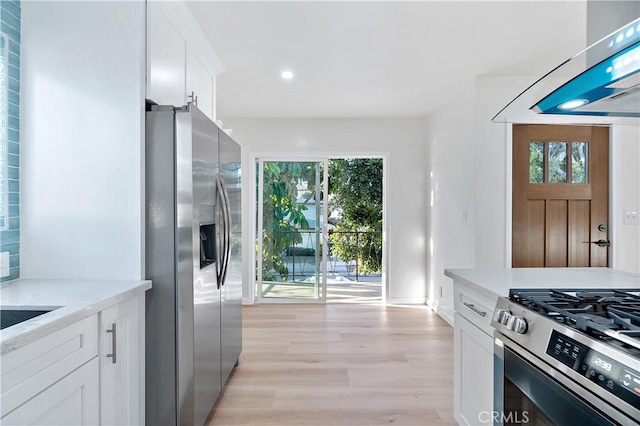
<point>291,223</point>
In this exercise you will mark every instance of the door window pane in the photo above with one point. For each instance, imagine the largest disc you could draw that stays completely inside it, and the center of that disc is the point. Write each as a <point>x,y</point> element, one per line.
<point>557,162</point>
<point>291,230</point>
<point>579,162</point>
<point>536,162</point>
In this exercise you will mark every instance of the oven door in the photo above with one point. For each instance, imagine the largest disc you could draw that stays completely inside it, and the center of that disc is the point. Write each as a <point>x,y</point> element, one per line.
<point>528,393</point>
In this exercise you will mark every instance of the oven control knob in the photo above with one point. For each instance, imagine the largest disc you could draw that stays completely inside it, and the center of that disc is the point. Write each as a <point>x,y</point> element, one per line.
<point>502,316</point>
<point>517,324</point>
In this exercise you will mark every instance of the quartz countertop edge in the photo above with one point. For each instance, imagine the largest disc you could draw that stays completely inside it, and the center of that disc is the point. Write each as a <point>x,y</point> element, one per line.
<point>74,300</point>
<point>494,283</point>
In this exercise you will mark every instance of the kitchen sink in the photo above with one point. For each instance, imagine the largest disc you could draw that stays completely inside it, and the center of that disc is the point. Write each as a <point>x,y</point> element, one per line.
<point>9,317</point>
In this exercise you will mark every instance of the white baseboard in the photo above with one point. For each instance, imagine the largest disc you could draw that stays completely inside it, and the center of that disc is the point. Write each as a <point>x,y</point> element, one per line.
<point>411,301</point>
<point>444,314</point>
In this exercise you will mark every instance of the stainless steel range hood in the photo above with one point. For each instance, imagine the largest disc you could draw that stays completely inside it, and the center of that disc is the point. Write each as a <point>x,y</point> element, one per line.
<point>600,85</point>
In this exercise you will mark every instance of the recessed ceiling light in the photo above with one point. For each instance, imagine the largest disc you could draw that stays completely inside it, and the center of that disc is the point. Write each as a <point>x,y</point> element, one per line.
<point>573,104</point>
<point>287,75</point>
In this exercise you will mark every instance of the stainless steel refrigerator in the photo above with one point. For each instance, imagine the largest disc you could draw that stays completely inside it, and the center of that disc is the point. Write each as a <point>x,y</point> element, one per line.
<point>193,256</point>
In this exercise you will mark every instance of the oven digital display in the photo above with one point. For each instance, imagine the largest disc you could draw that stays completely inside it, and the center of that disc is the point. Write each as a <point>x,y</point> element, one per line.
<point>600,368</point>
<point>598,362</point>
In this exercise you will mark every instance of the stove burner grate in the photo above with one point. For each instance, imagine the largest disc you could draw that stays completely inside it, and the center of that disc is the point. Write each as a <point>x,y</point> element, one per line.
<point>603,314</point>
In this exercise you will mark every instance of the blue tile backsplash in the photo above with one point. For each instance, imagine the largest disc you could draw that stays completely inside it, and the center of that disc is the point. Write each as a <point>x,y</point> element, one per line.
<point>10,236</point>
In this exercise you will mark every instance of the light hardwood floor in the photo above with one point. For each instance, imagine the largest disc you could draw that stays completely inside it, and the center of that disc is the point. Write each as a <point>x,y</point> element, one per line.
<point>340,364</point>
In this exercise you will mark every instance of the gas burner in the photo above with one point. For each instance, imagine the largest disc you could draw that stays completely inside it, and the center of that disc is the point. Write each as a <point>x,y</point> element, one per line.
<point>608,315</point>
<point>596,318</point>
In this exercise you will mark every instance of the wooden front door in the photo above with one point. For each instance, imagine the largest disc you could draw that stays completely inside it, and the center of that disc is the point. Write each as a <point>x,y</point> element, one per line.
<point>560,196</point>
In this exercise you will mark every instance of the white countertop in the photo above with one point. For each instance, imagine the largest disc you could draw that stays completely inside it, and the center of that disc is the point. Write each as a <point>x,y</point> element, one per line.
<point>76,299</point>
<point>494,283</point>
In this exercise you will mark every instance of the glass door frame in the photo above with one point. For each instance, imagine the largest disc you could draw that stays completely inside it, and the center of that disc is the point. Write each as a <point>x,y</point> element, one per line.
<point>324,207</point>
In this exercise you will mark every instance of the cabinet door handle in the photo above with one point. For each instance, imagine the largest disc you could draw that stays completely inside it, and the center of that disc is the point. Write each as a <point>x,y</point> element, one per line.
<point>194,98</point>
<point>112,355</point>
<point>474,309</point>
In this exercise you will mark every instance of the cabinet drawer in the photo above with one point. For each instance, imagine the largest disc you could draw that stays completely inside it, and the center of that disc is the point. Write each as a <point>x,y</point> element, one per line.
<point>73,400</point>
<point>474,307</point>
<point>32,368</point>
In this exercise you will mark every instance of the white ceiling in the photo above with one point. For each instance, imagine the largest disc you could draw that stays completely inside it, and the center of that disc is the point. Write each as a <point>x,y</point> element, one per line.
<point>377,59</point>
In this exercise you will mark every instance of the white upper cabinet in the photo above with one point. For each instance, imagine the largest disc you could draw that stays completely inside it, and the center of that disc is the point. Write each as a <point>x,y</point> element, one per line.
<point>180,59</point>
<point>166,55</point>
<point>200,82</point>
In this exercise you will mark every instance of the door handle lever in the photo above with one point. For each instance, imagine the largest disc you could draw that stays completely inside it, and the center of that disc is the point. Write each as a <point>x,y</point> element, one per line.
<point>602,243</point>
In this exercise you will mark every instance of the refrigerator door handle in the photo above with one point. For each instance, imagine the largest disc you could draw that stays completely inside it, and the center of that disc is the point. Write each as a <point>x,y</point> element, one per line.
<point>224,251</point>
<point>220,251</point>
<point>227,214</point>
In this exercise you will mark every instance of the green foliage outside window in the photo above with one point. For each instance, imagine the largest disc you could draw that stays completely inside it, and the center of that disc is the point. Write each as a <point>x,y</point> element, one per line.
<point>536,162</point>
<point>355,188</point>
<point>579,162</point>
<point>558,162</point>
<point>282,214</point>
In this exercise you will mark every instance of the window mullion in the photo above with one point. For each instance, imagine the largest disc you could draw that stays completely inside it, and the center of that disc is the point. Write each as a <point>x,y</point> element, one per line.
<point>546,163</point>
<point>569,162</point>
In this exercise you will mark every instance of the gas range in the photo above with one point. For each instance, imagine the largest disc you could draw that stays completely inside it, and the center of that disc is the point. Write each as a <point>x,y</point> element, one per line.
<point>609,316</point>
<point>591,336</point>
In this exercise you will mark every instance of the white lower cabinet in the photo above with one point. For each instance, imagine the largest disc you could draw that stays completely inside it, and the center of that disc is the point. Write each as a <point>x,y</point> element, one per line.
<point>88,373</point>
<point>73,400</point>
<point>34,377</point>
<point>122,339</point>
<point>473,373</point>
<point>473,356</point>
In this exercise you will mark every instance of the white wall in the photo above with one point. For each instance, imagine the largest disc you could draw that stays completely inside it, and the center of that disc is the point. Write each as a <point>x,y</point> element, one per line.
<point>469,162</point>
<point>625,196</point>
<point>404,143</point>
<point>493,169</point>
<point>451,194</point>
<point>81,151</point>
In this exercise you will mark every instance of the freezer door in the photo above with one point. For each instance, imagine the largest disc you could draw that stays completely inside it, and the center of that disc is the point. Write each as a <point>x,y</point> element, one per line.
<point>206,294</point>
<point>231,287</point>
